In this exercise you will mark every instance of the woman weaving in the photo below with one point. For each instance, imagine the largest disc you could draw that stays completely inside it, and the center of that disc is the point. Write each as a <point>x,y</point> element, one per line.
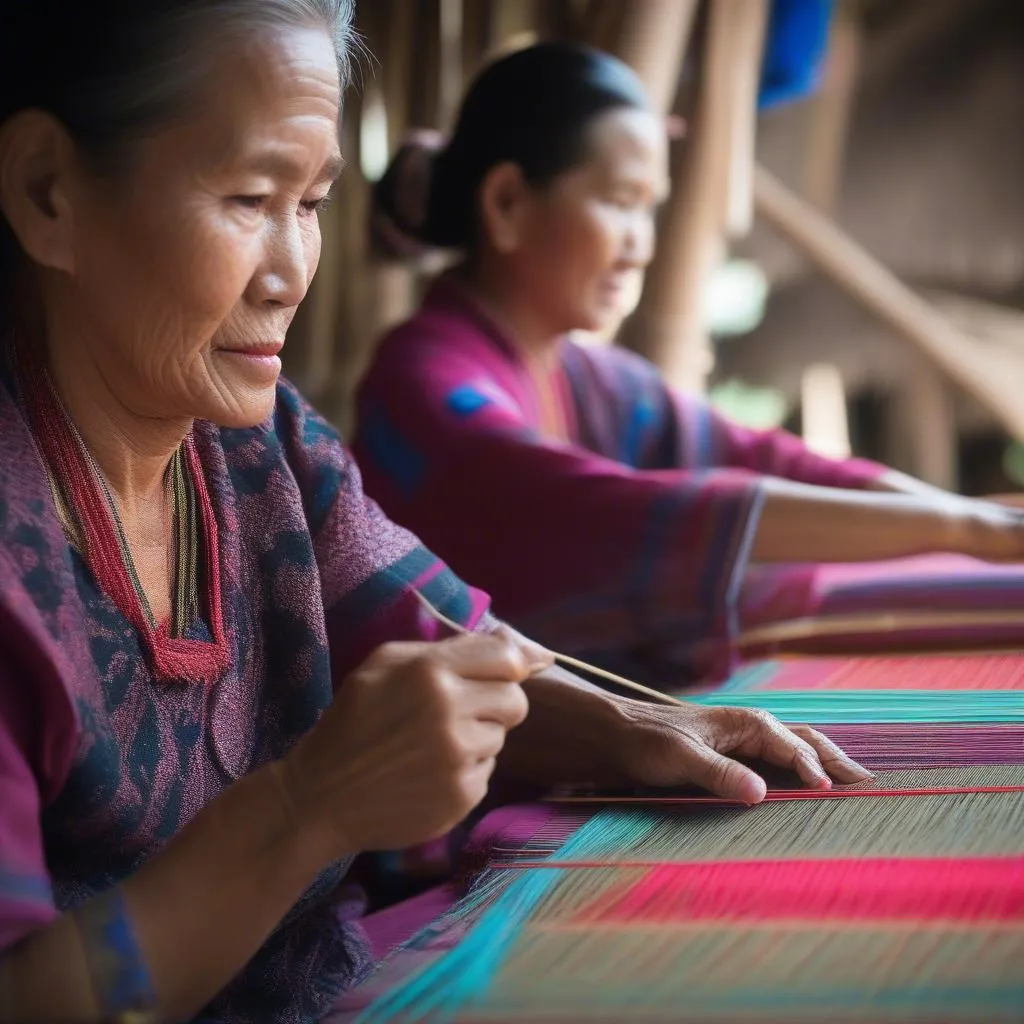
<point>605,512</point>
<point>217,683</point>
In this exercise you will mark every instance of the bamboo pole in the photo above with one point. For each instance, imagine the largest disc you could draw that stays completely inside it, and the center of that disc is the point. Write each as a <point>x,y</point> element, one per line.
<point>711,193</point>
<point>750,25</point>
<point>998,384</point>
<point>651,36</point>
<point>830,110</point>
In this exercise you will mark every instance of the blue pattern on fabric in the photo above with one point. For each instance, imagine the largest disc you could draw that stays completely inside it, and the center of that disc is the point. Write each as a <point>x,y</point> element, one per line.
<point>392,452</point>
<point>24,888</point>
<point>466,400</point>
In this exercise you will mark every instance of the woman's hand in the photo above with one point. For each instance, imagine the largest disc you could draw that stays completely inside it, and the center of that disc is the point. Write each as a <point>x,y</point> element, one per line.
<point>408,747</point>
<point>695,745</point>
<point>989,529</point>
<point>1009,500</point>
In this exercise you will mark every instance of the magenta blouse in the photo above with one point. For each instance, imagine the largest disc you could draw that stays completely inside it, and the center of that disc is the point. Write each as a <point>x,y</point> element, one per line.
<point>629,544</point>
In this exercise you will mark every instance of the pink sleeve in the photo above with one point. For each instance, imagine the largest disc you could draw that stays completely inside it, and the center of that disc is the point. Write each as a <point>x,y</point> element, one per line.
<point>26,900</point>
<point>775,453</point>
<point>580,550</point>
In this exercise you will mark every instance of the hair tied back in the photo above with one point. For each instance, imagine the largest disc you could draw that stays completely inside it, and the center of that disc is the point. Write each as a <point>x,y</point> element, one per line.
<point>401,199</point>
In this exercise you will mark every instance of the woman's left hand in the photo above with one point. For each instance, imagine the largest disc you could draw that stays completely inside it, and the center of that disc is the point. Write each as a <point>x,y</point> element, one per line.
<point>696,745</point>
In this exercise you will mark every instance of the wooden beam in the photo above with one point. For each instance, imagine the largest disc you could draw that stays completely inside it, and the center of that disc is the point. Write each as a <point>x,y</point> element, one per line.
<point>831,108</point>
<point>998,383</point>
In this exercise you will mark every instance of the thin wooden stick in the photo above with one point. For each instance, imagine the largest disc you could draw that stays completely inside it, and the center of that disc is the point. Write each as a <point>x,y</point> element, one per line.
<point>562,659</point>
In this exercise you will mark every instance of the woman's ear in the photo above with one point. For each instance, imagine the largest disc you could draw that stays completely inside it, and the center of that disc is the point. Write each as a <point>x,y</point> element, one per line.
<point>503,197</point>
<point>36,166</point>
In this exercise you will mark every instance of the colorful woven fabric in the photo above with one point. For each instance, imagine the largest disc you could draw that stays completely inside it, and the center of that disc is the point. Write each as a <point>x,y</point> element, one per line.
<point>928,603</point>
<point>903,901</point>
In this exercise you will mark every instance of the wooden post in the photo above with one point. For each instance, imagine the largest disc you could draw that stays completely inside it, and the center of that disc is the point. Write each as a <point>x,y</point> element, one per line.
<point>669,326</point>
<point>921,428</point>
<point>651,36</point>
<point>830,110</point>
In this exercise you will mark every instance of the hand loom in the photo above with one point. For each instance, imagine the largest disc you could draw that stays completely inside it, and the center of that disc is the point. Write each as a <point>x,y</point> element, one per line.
<point>902,902</point>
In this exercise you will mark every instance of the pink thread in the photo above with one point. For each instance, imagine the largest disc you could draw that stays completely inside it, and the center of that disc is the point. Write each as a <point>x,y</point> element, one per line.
<point>972,889</point>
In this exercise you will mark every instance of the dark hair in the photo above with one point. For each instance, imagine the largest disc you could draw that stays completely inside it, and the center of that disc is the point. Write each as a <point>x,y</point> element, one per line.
<point>532,107</point>
<point>111,70</point>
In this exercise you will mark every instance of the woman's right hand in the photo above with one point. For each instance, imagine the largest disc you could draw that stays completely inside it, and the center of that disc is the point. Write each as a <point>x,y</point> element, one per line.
<point>407,749</point>
<point>989,530</point>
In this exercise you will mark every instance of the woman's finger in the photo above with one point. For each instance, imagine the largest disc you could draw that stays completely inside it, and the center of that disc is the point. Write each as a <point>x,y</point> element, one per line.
<point>722,775</point>
<point>538,657</point>
<point>483,740</point>
<point>834,759</point>
<point>503,704</point>
<point>766,737</point>
<point>491,657</point>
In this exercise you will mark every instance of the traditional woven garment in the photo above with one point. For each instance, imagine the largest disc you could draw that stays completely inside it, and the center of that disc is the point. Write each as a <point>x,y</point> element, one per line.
<point>899,899</point>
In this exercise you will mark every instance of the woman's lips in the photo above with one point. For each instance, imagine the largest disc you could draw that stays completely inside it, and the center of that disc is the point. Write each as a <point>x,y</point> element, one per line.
<point>260,360</point>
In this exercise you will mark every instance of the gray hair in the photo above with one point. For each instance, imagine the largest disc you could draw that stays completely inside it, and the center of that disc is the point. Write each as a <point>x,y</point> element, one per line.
<point>112,71</point>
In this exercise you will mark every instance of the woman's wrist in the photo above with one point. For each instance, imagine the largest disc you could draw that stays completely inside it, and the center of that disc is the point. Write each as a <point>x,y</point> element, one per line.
<point>574,733</point>
<point>310,842</point>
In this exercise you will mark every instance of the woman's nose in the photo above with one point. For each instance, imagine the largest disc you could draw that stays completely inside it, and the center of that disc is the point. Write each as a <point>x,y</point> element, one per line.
<point>282,278</point>
<point>638,245</point>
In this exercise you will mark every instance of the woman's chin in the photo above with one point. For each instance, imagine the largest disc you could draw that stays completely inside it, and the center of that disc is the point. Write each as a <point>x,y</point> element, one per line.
<point>600,319</point>
<point>242,408</point>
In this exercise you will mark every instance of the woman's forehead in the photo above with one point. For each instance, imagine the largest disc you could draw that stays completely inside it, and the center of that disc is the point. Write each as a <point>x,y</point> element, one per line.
<point>268,102</point>
<point>628,141</point>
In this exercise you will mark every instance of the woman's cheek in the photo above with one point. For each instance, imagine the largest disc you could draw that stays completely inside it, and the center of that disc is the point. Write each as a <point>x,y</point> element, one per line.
<point>312,246</point>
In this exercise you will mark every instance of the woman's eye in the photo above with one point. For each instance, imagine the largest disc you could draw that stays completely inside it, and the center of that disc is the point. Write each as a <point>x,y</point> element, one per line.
<point>625,203</point>
<point>318,205</point>
<point>250,202</point>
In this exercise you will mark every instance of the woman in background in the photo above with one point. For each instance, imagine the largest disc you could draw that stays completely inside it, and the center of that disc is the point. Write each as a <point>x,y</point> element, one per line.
<point>604,511</point>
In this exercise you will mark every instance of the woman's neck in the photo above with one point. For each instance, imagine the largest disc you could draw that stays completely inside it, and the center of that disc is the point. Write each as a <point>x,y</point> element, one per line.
<point>534,340</point>
<point>132,450</point>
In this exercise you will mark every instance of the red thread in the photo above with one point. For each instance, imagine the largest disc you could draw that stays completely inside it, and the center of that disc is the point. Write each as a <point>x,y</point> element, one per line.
<point>779,795</point>
<point>971,889</point>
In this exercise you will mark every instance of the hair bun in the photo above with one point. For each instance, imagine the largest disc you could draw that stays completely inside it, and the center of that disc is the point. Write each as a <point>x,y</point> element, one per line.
<point>401,199</point>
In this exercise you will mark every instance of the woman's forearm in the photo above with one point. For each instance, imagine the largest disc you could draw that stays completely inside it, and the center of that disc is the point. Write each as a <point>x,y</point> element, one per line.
<point>894,482</point>
<point>568,735</point>
<point>199,910</point>
<point>801,523</point>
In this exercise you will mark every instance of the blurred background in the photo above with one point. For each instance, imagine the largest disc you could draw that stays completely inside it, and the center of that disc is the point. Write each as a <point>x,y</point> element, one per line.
<point>843,252</point>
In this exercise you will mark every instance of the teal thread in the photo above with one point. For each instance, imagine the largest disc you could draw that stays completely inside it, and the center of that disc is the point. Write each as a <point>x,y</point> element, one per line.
<point>873,707</point>
<point>464,975</point>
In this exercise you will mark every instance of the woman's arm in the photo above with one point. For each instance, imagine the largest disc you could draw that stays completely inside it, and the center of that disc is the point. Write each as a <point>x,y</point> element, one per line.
<point>174,934</point>
<point>685,431</point>
<point>802,523</point>
<point>586,551</point>
<point>403,754</point>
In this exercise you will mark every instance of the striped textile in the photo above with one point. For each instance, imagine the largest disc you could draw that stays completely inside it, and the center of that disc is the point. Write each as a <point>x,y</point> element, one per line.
<point>926,603</point>
<point>901,899</point>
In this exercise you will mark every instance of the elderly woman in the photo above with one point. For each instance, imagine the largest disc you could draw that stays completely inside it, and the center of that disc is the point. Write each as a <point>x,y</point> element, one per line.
<point>217,683</point>
<point>607,513</point>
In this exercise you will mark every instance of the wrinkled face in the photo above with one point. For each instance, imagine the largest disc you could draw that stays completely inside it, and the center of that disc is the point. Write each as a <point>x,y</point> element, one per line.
<point>189,268</point>
<point>591,231</point>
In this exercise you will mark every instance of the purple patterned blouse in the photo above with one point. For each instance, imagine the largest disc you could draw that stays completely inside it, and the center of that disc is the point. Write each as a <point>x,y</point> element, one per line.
<point>100,764</point>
